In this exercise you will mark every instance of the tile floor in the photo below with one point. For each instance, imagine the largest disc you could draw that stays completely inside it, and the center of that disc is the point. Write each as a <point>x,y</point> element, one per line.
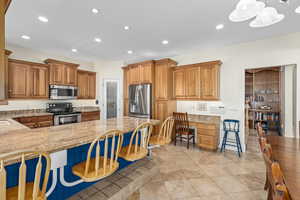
<point>200,175</point>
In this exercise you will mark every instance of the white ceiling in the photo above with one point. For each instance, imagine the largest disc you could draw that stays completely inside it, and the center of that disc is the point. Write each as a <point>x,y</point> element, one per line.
<point>186,24</point>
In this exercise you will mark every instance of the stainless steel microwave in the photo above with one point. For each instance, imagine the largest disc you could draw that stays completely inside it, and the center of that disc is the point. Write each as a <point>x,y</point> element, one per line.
<point>62,92</point>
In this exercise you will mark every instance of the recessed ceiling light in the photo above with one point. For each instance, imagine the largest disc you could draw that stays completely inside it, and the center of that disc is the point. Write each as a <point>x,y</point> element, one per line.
<point>25,37</point>
<point>98,40</point>
<point>220,26</point>
<point>43,19</point>
<point>165,42</point>
<point>298,10</point>
<point>126,28</point>
<point>74,50</point>
<point>130,52</point>
<point>95,10</point>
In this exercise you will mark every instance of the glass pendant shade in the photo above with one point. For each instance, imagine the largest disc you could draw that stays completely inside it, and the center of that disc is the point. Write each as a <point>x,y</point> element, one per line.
<point>268,16</point>
<point>246,9</point>
<point>298,10</point>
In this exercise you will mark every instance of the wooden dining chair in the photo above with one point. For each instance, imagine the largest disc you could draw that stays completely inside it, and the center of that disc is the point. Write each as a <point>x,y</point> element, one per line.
<point>165,133</point>
<point>182,128</point>
<point>101,166</point>
<point>26,190</point>
<point>138,145</point>
<point>280,191</point>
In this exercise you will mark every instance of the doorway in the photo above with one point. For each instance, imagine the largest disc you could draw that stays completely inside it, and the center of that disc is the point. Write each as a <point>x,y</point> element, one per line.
<point>111,94</point>
<point>270,98</point>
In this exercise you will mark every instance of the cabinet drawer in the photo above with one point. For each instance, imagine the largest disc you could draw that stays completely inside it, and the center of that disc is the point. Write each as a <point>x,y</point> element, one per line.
<point>24,120</point>
<point>207,140</point>
<point>45,124</point>
<point>45,118</point>
<point>207,132</point>
<point>31,125</point>
<point>206,126</point>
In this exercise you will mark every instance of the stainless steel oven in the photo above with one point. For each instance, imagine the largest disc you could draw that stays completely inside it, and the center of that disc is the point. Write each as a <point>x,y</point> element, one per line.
<point>67,119</point>
<point>62,92</point>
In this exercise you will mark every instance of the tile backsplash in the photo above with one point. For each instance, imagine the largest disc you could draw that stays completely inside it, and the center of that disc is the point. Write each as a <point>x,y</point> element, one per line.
<point>201,107</point>
<point>41,104</point>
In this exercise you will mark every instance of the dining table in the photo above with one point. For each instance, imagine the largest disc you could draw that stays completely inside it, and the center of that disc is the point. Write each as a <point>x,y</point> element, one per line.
<point>287,152</point>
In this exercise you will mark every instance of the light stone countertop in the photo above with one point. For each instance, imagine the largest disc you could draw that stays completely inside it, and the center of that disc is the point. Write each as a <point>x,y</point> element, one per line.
<point>206,119</point>
<point>56,138</point>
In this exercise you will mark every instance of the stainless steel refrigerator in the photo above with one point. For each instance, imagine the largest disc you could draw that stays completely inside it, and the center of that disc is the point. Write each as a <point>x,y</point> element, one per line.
<point>140,101</point>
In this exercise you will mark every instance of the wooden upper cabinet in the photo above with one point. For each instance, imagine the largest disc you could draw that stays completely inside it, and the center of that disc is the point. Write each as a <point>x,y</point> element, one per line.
<point>192,83</point>
<point>179,83</point>
<point>70,75</point>
<point>210,78</point>
<point>86,82</point>
<point>134,74</point>
<point>164,79</point>
<point>140,73</point>
<point>146,72</point>
<point>62,73</point>
<point>92,85</point>
<point>17,81</point>
<point>199,81</point>
<point>27,79</point>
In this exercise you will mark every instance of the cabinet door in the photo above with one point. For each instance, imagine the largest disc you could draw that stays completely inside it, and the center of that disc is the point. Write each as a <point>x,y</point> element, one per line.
<point>192,83</point>
<point>126,107</point>
<point>83,81</point>
<point>70,75</point>
<point>126,79</point>
<point>57,74</point>
<point>134,74</point>
<point>37,86</point>
<point>17,82</point>
<point>146,73</point>
<point>210,82</point>
<point>161,110</point>
<point>179,83</point>
<point>161,82</point>
<point>92,86</point>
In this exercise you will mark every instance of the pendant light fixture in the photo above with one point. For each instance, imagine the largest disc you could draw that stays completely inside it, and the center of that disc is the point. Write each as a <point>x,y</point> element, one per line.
<point>246,9</point>
<point>268,16</point>
<point>298,10</point>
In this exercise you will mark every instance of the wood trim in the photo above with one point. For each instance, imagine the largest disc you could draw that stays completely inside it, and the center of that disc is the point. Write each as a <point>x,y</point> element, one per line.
<point>8,52</point>
<point>166,61</point>
<point>7,4</point>
<point>217,62</point>
<point>27,62</point>
<point>139,63</point>
<point>85,71</point>
<point>49,61</point>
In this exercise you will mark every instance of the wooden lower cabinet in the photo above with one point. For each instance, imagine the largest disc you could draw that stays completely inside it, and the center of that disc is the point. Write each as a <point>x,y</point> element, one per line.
<point>36,121</point>
<point>207,135</point>
<point>90,116</point>
<point>163,110</point>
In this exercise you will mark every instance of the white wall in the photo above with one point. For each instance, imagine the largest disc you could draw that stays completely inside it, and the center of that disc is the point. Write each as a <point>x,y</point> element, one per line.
<point>35,56</point>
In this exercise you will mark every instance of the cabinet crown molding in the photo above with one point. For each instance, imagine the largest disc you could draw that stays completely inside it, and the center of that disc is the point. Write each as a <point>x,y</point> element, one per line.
<point>27,62</point>
<point>85,71</point>
<point>210,63</point>
<point>166,60</point>
<point>49,61</point>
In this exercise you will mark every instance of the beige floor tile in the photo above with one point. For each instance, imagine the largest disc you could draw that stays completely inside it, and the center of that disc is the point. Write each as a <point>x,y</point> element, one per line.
<point>206,187</point>
<point>214,170</point>
<point>248,196</point>
<point>180,189</point>
<point>230,184</point>
<point>154,190</point>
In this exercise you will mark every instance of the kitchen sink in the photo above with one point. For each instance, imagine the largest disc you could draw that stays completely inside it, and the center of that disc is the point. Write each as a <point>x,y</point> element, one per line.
<point>4,123</point>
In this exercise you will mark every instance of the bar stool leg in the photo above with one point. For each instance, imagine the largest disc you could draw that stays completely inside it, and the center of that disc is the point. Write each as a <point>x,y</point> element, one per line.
<point>237,143</point>
<point>240,143</point>
<point>175,139</point>
<point>224,141</point>
<point>188,141</point>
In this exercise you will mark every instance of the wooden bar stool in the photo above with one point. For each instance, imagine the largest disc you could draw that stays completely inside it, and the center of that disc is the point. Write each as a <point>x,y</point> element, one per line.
<point>182,128</point>
<point>26,190</point>
<point>101,166</point>
<point>138,145</point>
<point>232,126</point>
<point>165,133</point>
<point>280,191</point>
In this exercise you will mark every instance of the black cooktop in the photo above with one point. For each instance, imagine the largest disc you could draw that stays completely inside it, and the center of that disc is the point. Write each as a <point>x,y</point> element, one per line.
<point>65,113</point>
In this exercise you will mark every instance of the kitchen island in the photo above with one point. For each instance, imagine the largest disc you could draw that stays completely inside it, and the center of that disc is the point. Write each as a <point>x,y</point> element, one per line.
<point>68,145</point>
